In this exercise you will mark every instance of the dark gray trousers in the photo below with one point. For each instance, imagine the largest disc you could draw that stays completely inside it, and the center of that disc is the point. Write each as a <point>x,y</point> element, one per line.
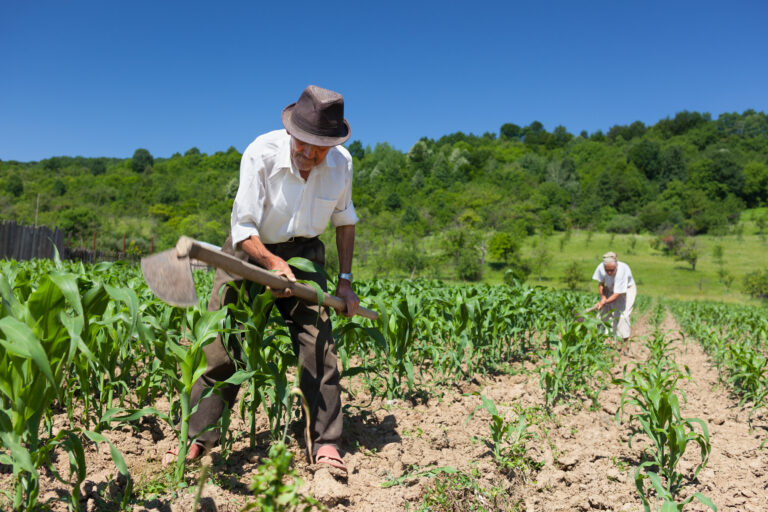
<point>313,344</point>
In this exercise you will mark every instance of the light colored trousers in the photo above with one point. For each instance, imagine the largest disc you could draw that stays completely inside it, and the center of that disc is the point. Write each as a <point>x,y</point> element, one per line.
<point>620,310</point>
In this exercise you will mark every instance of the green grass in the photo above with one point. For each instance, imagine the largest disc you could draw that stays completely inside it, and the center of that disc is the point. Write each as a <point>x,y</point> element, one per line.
<point>657,275</point>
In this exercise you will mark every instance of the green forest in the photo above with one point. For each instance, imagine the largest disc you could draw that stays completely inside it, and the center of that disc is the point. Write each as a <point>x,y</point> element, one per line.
<point>456,206</point>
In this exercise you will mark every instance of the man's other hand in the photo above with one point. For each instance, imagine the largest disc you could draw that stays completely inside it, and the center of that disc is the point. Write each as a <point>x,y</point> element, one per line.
<point>344,291</point>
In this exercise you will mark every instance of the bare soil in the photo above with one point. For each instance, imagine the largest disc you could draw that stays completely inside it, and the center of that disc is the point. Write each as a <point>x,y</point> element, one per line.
<point>586,463</point>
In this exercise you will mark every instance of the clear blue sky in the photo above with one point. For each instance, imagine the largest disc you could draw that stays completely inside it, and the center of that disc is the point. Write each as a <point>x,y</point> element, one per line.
<point>103,78</point>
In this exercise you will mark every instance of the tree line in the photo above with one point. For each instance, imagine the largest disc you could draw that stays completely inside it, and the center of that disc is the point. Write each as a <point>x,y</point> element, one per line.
<point>462,199</point>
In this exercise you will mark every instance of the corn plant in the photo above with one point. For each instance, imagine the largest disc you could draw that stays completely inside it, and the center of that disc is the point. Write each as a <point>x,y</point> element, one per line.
<point>651,389</point>
<point>202,329</point>
<point>748,373</point>
<point>266,358</point>
<point>508,439</point>
<point>180,366</point>
<point>397,327</point>
<point>353,338</point>
<point>735,339</point>
<point>578,361</point>
<point>40,336</point>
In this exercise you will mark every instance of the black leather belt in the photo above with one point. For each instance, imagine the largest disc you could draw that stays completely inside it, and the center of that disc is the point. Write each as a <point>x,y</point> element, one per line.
<point>296,240</point>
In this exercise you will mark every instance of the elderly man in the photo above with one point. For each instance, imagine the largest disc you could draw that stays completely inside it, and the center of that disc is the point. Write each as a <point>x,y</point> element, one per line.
<point>617,291</point>
<point>292,183</point>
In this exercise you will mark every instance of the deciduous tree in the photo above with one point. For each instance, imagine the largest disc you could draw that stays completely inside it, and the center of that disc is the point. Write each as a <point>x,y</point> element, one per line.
<point>142,160</point>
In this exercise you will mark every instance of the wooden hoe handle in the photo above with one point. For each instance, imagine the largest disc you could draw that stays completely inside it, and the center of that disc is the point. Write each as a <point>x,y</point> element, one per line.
<point>259,275</point>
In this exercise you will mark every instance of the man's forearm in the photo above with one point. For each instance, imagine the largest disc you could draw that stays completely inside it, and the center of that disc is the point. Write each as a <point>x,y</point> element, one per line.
<point>254,247</point>
<point>345,244</point>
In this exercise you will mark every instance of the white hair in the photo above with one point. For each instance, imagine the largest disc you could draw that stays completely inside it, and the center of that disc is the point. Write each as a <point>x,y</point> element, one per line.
<point>610,258</point>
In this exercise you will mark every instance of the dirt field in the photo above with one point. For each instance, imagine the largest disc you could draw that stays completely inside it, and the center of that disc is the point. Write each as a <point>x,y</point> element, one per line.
<point>585,462</point>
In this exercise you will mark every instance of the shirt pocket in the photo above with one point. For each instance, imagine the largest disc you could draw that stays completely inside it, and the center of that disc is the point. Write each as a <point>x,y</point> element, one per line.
<point>322,209</point>
<point>278,215</point>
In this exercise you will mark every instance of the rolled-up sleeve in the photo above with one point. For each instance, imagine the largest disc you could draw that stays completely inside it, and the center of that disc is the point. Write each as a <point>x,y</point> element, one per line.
<point>248,208</point>
<point>344,213</point>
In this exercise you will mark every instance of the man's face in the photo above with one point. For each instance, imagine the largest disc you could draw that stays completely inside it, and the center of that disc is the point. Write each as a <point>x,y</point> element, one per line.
<point>305,156</point>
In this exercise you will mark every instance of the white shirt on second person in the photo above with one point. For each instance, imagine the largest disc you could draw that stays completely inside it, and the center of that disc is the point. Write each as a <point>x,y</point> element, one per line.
<point>618,282</point>
<point>275,203</point>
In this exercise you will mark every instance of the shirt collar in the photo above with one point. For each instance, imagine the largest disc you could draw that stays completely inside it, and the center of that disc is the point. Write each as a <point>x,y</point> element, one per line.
<point>283,157</point>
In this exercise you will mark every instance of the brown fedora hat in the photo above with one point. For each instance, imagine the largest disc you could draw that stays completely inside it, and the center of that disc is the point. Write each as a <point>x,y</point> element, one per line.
<point>317,118</point>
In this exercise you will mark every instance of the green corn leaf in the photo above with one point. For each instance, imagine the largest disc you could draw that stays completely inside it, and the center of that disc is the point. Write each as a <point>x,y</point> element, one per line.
<point>318,290</point>
<point>67,284</point>
<point>357,370</point>
<point>74,326</point>
<point>77,455</point>
<point>306,265</point>
<point>127,296</point>
<point>5,422</point>
<point>706,501</point>
<point>117,457</point>
<point>377,337</point>
<point>111,414</point>
<point>662,491</point>
<point>21,457</point>
<point>671,506</point>
<point>24,343</point>
<point>178,351</point>
<point>95,301</point>
<point>426,473</point>
<point>9,299</point>
<point>239,377</point>
<point>192,368</point>
<point>43,306</point>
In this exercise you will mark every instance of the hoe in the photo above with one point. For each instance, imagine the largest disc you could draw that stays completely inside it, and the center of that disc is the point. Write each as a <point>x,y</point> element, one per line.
<point>169,275</point>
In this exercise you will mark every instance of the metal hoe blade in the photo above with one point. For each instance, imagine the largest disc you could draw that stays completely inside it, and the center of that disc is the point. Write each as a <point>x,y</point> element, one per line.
<point>170,278</point>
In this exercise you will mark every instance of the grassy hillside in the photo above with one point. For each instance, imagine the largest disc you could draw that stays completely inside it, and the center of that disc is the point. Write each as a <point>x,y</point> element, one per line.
<point>657,275</point>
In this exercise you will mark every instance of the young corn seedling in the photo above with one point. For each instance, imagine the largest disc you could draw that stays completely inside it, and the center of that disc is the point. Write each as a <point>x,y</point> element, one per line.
<point>508,439</point>
<point>396,324</point>
<point>651,389</point>
<point>578,361</point>
<point>202,328</point>
<point>747,373</point>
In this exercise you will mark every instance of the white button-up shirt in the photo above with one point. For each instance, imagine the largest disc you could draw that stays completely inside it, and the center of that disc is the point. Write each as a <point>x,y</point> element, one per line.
<point>275,203</point>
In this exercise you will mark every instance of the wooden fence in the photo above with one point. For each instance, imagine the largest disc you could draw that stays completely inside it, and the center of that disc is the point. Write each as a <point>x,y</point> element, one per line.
<point>20,242</point>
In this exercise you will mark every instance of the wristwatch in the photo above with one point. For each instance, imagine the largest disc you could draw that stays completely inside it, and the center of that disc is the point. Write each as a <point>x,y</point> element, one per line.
<point>346,275</point>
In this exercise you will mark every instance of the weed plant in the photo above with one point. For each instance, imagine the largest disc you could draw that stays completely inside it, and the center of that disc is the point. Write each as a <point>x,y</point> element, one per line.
<point>454,491</point>
<point>276,485</point>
